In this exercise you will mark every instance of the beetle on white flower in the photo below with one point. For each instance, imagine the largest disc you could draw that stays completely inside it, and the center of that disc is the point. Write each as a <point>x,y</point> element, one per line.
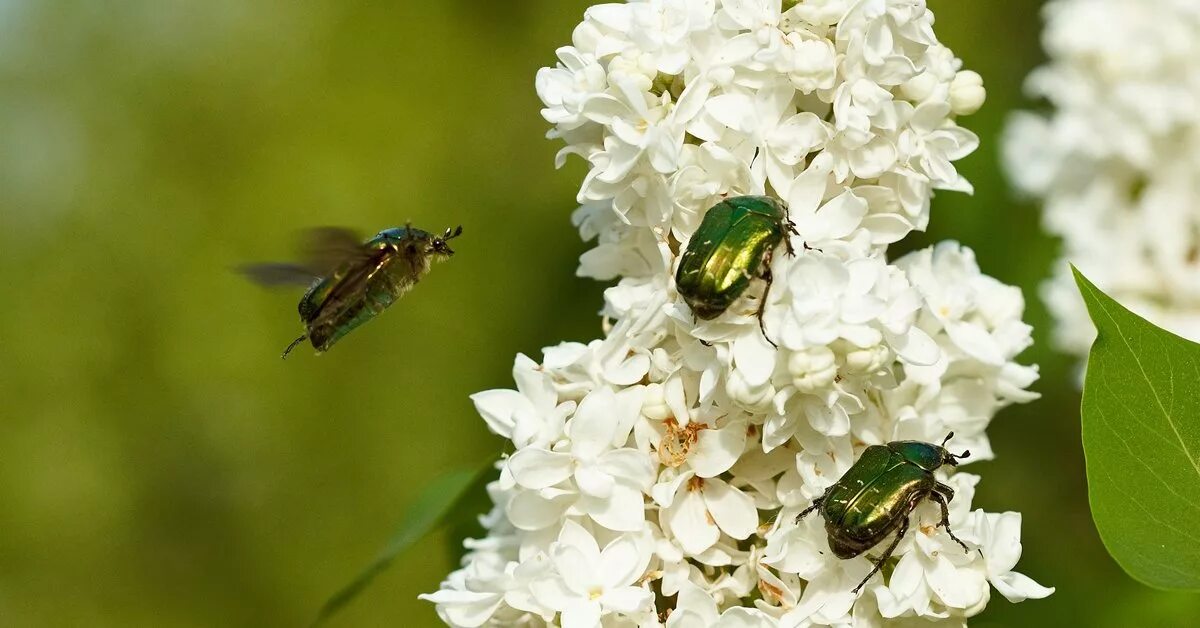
<point>658,471</point>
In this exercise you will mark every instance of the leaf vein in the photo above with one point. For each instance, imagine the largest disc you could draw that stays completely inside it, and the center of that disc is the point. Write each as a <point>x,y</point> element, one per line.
<point>1125,442</point>
<point>1149,383</point>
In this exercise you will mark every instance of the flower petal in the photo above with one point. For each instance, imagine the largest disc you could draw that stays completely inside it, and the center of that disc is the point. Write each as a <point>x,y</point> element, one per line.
<point>530,511</point>
<point>594,482</point>
<point>582,613</point>
<point>622,562</point>
<point>733,510</point>
<point>497,408</point>
<point>630,465</point>
<point>1016,587</point>
<point>592,428</point>
<point>627,599</point>
<point>465,608</point>
<point>717,450</point>
<point>539,468</point>
<point>690,522</point>
<point>622,511</point>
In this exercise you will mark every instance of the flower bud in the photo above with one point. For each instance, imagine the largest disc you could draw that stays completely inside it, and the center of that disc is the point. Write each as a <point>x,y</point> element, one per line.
<point>967,93</point>
<point>919,87</point>
<point>654,404</point>
<point>812,369</point>
<point>756,398</point>
<point>869,360</point>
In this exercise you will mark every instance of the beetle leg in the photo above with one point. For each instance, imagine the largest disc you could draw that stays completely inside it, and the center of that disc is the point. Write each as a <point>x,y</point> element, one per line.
<point>295,343</point>
<point>762,308</point>
<point>941,499</point>
<point>762,303</point>
<point>886,554</point>
<point>791,230</point>
<point>816,503</point>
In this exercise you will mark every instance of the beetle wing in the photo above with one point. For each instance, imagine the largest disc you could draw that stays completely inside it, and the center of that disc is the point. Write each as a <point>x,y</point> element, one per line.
<point>322,251</point>
<point>752,236</point>
<point>692,278</point>
<point>844,493</point>
<point>325,249</point>
<point>278,274</point>
<point>872,515</point>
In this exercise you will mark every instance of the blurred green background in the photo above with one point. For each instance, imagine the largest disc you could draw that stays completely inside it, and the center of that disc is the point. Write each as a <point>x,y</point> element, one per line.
<point>160,466</point>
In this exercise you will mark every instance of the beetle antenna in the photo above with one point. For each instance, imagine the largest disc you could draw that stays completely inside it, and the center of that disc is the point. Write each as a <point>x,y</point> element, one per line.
<point>452,233</point>
<point>295,343</point>
<point>947,439</point>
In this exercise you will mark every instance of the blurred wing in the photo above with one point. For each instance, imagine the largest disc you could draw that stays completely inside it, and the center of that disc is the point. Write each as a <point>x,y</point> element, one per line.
<point>280,274</point>
<point>325,249</point>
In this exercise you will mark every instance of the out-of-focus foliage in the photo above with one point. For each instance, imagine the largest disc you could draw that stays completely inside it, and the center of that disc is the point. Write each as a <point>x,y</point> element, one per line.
<point>441,503</point>
<point>161,466</point>
<point>1141,427</point>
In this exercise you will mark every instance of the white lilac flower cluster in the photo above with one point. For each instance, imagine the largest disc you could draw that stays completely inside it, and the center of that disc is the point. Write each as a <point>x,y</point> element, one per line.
<point>1117,161</point>
<point>658,472</point>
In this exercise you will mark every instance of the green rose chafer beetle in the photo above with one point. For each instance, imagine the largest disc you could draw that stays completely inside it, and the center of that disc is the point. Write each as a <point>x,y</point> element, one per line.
<point>879,492</point>
<point>734,245</point>
<point>351,282</point>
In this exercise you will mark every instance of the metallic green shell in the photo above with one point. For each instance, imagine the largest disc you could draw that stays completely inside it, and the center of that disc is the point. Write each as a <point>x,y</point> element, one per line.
<point>925,455</point>
<point>872,498</point>
<point>361,289</point>
<point>727,252</point>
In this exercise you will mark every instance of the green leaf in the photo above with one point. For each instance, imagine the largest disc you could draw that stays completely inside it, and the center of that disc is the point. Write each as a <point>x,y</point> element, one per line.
<point>437,505</point>
<point>1141,438</point>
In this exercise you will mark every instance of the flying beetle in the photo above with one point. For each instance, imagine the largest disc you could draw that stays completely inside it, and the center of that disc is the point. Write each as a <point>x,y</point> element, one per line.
<point>351,282</point>
<point>879,492</point>
<point>733,245</point>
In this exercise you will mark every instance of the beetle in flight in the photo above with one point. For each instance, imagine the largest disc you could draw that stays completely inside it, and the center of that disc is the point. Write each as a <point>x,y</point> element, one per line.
<point>878,493</point>
<point>350,282</point>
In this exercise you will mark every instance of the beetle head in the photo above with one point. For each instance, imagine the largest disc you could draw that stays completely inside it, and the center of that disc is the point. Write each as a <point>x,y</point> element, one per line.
<point>949,458</point>
<point>438,245</point>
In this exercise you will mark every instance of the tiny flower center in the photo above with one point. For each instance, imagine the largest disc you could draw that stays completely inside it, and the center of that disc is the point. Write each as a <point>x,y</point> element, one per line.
<point>770,591</point>
<point>677,442</point>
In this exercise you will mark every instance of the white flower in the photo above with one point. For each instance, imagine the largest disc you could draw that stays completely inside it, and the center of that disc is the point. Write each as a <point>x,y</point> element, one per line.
<point>1000,541</point>
<point>658,470</point>
<point>590,583</point>
<point>489,589</point>
<point>567,88</point>
<point>610,481</point>
<point>698,510</point>
<point>812,63</point>
<point>768,126</point>
<point>662,29</point>
<point>1116,164</point>
<point>530,415</point>
<point>697,608</point>
<point>930,147</point>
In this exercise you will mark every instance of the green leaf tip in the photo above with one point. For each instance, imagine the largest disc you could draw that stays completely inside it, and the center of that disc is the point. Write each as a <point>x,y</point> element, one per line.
<point>433,508</point>
<point>1141,440</point>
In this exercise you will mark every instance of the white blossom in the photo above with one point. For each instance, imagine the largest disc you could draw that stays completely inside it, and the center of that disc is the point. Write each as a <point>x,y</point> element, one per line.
<point>1116,162</point>
<point>589,582</point>
<point>658,471</point>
